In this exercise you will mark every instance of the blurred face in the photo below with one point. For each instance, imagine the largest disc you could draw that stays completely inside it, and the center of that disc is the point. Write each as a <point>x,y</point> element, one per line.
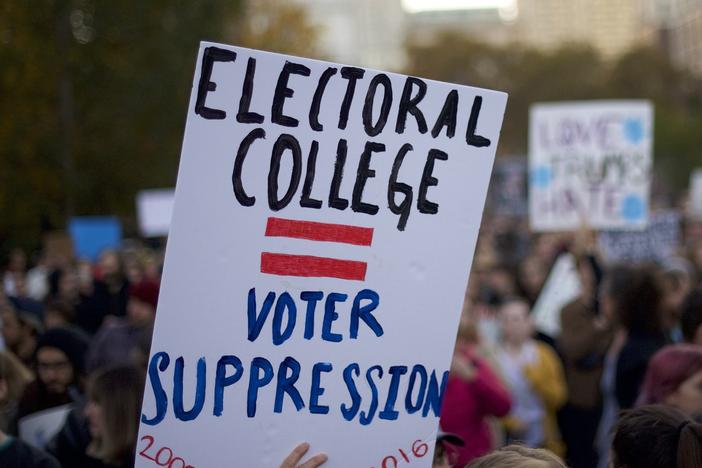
<point>54,369</point>
<point>68,284</point>
<point>12,330</point>
<point>85,274</point>
<point>677,287</point>
<point>109,263</point>
<point>96,420</point>
<point>533,275</point>
<point>54,318</point>
<point>515,322</point>
<point>139,312</point>
<point>688,396</point>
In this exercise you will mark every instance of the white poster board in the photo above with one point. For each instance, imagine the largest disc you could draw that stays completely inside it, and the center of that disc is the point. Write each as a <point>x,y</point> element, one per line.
<point>562,286</point>
<point>313,278</point>
<point>590,165</point>
<point>154,211</point>
<point>39,428</point>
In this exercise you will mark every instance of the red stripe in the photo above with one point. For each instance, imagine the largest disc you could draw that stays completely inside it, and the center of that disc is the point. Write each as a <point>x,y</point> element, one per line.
<point>310,230</point>
<point>309,266</point>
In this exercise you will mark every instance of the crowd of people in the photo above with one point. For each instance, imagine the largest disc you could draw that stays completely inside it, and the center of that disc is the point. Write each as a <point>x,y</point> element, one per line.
<point>76,338</point>
<point>620,385</point>
<point>630,339</point>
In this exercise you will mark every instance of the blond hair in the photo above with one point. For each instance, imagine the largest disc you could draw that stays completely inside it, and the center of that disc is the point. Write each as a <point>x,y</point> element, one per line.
<point>518,456</point>
<point>118,393</point>
<point>15,375</point>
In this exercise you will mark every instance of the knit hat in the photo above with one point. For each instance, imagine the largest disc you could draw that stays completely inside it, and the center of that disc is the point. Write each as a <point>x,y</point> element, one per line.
<point>73,344</point>
<point>449,438</point>
<point>145,291</point>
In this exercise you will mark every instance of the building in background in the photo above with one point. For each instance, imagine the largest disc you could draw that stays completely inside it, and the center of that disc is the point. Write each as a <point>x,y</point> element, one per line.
<point>368,33</point>
<point>493,26</point>
<point>611,27</point>
<point>685,34</point>
<point>373,33</point>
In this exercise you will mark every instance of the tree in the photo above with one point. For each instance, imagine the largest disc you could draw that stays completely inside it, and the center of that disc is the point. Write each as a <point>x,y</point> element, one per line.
<point>94,96</point>
<point>575,72</point>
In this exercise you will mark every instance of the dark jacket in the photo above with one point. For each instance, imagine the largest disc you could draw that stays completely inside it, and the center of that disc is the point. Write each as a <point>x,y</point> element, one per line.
<point>632,363</point>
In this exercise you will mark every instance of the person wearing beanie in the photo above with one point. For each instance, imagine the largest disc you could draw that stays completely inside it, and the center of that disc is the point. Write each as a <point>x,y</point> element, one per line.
<point>119,340</point>
<point>59,363</point>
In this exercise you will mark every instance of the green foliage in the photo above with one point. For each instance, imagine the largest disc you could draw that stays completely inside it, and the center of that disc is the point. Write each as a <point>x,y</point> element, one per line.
<point>575,72</point>
<point>94,98</point>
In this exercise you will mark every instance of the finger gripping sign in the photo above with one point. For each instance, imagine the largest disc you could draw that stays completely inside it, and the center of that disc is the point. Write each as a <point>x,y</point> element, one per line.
<point>324,223</point>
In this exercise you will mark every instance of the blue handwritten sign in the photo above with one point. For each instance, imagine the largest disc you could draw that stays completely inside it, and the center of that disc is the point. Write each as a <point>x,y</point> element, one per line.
<point>590,165</point>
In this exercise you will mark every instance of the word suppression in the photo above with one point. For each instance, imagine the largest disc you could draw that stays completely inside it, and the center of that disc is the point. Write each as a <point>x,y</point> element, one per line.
<point>423,390</point>
<point>423,393</point>
<point>380,89</point>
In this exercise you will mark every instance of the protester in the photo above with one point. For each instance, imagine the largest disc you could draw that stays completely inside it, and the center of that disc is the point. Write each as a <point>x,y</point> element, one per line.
<point>677,276</point>
<point>585,337</point>
<point>14,377</point>
<point>111,285</point>
<point>119,339</point>
<point>445,449</point>
<point>632,299</point>
<point>656,436</point>
<point>473,394</point>
<point>21,300</point>
<point>19,332</point>
<point>59,362</point>
<point>674,377</point>
<point>691,318</point>
<point>517,456</point>
<point>15,453</point>
<point>113,410</point>
<point>58,314</point>
<point>535,378</point>
<point>15,268</point>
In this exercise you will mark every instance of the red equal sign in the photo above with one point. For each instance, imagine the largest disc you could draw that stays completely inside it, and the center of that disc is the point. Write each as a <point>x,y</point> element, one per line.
<point>311,266</point>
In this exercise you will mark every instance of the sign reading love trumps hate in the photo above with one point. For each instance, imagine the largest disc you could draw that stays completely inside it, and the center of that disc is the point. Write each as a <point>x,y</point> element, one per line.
<point>590,164</point>
<point>323,229</point>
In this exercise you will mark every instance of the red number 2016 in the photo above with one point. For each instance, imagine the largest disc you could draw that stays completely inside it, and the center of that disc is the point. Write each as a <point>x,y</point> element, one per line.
<point>419,450</point>
<point>164,455</point>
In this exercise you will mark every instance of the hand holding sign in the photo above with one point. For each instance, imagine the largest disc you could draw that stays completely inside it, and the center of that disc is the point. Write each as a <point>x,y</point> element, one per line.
<point>296,455</point>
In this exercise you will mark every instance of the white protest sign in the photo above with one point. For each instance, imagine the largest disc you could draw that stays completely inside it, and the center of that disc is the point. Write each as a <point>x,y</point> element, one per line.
<point>658,242</point>
<point>562,286</point>
<point>154,210</point>
<point>323,229</point>
<point>40,427</point>
<point>590,165</point>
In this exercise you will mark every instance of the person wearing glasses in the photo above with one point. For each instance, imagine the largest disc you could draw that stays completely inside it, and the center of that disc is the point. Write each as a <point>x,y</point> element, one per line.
<point>58,362</point>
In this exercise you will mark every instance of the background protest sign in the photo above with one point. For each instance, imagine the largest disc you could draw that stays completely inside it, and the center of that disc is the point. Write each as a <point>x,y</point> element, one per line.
<point>39,428</point>
<point>657,242</point>
<point>93,234</point>
<point>508,187</point>
<point>590,164</point>
<point>154,210</point>
<point>323,228</point>
<point>562,286</point>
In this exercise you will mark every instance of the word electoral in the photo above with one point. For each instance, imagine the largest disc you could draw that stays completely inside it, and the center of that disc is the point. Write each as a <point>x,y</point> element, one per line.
<point>379,89</point>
